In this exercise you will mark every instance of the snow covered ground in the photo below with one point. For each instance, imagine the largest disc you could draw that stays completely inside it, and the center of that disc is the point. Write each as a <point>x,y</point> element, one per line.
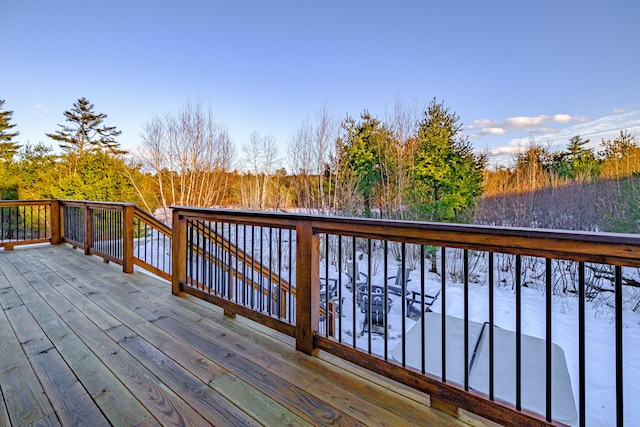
<point>600,335</point>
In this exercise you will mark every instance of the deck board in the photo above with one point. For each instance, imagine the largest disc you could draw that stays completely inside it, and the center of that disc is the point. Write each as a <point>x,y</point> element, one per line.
<point>85,344</point>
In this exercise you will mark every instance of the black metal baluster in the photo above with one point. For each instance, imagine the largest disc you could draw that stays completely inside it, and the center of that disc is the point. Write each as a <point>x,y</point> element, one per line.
<point>326,288</point>
<point>368,320</point>
<point>423,364</point>
<point>223,262</point>
<point>443,279</point>
<point>216,260</point>
<point>619,354</point>
<point>340,288</point>
<point>518,332</point>
<point>253,255</point>
<point>403,265</point>
<point>385,271</point>
<point>290,294</point>
<point>548,336</point>
<point>353,288</point>
<point>465,264</point>
<point>280,302</point>
<point>270,284</point>
<point>245,282</point>
<point>581,346</point>
<point>491,323</point>
<point>261,274</point>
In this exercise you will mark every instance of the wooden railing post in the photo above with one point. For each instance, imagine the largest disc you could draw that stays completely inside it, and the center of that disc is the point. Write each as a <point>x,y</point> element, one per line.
<point>127,238</point>
<point>178,251</point>
<point>307,286</point>
<point>55,218</point>
<point>88,220</point>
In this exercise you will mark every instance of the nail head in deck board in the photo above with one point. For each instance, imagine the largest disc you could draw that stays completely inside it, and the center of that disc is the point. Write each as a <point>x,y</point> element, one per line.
<point>261,406</point>
<point>169,408</point>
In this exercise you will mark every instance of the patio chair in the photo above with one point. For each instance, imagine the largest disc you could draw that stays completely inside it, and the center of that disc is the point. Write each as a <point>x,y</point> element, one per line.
<point>333,286</point>
<point>374,310</point>
<point>349,272</point>
<point>396,287</point>
<point>414,301</point>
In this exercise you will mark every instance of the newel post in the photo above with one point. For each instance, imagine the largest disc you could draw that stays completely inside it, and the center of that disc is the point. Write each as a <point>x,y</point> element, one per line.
<point>178,251</point>
<point>307,286</point>
<point>127,238</point>
<point>55,222</point>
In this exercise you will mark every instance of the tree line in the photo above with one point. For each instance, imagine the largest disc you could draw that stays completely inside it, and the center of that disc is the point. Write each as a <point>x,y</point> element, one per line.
<point>410,165</point>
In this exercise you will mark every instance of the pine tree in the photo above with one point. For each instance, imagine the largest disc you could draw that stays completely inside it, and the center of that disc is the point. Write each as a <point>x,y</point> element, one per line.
<point>578,162</point>
<point>86,134</point>
<point>367,159</point>
<point>447,176</point>
<point>8,148</point>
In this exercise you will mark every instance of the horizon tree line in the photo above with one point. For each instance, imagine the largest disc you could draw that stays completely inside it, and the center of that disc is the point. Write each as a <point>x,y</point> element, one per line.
<point>409,165</point>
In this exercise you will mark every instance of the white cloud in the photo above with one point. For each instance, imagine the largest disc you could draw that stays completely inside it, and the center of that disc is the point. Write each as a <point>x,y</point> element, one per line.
<point>533,124</point>
<point>619,110</point>
<point>607,127</point>
<point>479,124</point>
<point>493,131</point>
<point>523,122</point>
<point>561,118</point>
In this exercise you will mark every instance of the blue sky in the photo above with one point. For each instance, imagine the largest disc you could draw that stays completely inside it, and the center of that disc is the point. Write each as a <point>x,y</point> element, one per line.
<point>513,71</point>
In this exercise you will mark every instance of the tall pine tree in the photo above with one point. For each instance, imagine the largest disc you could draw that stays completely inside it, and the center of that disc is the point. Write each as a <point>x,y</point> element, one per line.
<point>85,134</point>
<point>447,176</point>
<point>8,148</point>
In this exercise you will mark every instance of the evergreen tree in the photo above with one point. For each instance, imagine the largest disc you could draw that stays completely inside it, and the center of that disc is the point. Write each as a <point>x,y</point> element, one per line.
<point>8,148</point>
<point>578,162</point>
<point>366,160</point>
<point>620,157</point>
<point>447,176</point>
<point>85,134</point>
<point>38,172</point>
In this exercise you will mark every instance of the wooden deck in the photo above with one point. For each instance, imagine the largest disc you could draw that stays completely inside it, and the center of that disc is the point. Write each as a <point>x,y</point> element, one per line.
<point>83,344</point>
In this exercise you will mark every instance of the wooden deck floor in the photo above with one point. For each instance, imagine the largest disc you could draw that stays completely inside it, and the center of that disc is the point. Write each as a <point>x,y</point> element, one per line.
<point>83,344</point>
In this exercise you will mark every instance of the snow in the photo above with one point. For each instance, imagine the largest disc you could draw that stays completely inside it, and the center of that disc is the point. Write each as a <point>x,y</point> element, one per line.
<point>599,326</point>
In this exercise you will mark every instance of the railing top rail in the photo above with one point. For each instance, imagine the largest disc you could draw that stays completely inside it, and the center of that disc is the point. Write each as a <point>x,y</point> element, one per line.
<point>155,223</point>
<point>282,220</point>
<point>24,202</point>
<point>99,205</point>
<point>613,248</point>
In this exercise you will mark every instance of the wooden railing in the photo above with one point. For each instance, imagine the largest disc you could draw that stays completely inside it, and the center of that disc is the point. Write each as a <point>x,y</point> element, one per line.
<point>28,222</point>
<point>324,249</point>
<point>278,269</point>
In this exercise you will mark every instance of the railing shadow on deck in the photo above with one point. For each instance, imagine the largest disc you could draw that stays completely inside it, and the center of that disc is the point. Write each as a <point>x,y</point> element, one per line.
<point>298,274</point>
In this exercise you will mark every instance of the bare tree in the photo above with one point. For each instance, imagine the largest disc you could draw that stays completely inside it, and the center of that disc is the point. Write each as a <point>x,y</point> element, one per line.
<point>190,156</point>
<point>402,122</point>
<point>260,156</point>
<point>308,156</point>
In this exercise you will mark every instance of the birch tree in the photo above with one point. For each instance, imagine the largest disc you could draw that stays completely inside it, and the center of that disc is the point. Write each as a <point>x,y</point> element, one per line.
<point>189,155</point>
